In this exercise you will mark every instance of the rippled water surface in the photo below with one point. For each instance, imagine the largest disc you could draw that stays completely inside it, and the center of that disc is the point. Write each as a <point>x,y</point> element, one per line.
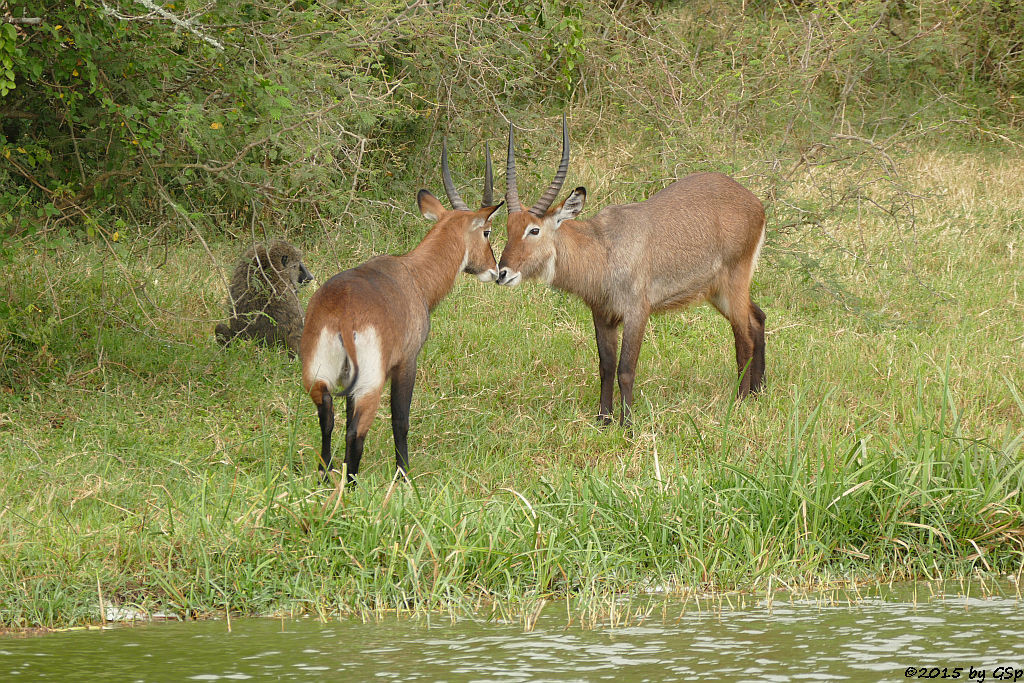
<point>834,636</point>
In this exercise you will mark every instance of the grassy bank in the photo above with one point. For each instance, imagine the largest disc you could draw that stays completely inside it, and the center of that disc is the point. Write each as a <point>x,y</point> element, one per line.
<point>142,463</point>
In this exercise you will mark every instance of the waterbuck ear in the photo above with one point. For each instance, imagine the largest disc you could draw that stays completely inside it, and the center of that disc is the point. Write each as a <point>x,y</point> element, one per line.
<point>430,206</point>
<point>571,207</point>
<point>483,214</point>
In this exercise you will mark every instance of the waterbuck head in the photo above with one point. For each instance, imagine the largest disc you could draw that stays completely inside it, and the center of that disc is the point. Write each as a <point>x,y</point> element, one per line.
<point>475,225</point>
<point>530,250</point>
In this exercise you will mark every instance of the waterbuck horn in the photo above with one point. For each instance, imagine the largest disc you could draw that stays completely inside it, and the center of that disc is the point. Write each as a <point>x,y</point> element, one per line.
<point>488,199</point>
<point>449,186</point>
<point>551,194</point>
<point>511,193</point>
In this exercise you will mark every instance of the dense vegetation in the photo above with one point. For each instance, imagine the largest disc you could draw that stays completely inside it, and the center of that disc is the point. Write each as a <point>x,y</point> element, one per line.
<point>121,120</point>
<point>143,146</point>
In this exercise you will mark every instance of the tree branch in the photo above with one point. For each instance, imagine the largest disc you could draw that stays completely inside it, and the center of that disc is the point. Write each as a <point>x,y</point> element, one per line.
<point>173,18</point>
<point>22,21</point>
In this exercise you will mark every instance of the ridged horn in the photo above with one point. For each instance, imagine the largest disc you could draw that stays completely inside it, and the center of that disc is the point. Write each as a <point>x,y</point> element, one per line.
<point>488,199</point>
<point>446,177</point>
<point>511,193</point>
<point>542,205</point>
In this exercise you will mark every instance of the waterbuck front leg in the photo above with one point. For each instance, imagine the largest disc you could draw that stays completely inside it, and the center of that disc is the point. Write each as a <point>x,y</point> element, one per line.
<point>607,349</point>
<point>633,328</point>
<point>402,383</point>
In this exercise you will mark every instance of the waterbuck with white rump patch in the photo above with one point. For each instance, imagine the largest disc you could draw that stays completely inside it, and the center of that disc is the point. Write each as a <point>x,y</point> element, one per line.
<point>697,239</point>
<point>367,325</point>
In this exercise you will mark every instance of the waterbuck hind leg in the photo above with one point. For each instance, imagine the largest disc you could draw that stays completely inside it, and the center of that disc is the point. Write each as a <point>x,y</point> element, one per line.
<point>402,384</point>
<point>744,357</point>
<point>632,338</point>
<point>757,320</point>
<point>353,450</point>
<point>607,350</point>
<point>733,302</point>
<point>325,413</point>
<point>359,413</point>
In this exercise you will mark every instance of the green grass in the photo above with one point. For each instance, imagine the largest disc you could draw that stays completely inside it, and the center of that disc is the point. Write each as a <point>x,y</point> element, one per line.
<point>140,460</point>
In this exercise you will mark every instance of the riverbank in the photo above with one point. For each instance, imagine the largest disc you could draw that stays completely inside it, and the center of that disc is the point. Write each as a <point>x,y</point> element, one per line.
<point>920,629</point>
<point>142,465</point>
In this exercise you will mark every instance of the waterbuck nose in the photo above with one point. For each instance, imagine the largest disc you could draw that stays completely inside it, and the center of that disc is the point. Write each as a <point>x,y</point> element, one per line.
<point>502,274</point>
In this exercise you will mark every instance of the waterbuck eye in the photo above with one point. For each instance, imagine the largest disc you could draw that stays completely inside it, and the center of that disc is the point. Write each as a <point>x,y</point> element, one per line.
<point>534,231</point>
<point>487,233</point>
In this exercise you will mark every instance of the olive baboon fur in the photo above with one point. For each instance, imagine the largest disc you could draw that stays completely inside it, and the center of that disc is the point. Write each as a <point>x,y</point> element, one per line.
<point>264,296</point>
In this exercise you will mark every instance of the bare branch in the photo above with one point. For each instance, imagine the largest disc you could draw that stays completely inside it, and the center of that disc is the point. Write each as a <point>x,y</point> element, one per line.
<point>173,18</point>
<point>22,21</point>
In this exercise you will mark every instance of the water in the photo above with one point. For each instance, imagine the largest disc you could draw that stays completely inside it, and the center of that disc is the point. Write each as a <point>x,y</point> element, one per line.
<point>816,638</point>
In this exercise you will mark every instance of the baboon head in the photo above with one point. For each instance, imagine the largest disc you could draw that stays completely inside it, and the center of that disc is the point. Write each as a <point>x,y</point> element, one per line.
<point>284,260</point>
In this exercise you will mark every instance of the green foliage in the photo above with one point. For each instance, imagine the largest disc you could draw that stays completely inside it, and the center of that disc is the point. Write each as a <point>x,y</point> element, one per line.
<point>307,113</point>
<point>557,35</point>
<point>9,53</point>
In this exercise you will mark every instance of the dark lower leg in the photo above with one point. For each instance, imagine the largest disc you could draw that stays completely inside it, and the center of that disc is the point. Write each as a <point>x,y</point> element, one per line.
<point>607,348</point>
<point>757,332</point>
<point>744,356</point>
<point>632,338</point>
<point>353,442</point>
<point>325,413</point>
<point>401,400</point>
<point>400,429</point>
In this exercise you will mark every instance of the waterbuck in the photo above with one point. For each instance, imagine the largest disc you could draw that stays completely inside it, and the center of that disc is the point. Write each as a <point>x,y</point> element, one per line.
<point>367,325</point>
<point>697,239</point>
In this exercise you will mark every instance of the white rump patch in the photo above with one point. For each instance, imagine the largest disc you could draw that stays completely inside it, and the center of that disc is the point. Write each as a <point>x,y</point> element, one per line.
<point>370,361</point>
<point>329,360</point>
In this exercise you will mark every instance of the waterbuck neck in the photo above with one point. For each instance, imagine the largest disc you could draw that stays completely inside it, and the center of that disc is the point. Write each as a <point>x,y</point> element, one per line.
<point>581,261</point>
<point>436,261</point>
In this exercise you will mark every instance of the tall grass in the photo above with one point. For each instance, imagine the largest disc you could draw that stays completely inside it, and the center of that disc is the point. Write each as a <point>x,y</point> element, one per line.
<point>924,503</point>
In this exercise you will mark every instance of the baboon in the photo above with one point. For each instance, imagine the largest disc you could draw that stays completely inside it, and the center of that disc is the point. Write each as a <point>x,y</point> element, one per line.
<point>264,296</point>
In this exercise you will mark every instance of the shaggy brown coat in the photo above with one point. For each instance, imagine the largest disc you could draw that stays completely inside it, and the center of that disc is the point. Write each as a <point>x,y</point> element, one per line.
<point>264,296</point>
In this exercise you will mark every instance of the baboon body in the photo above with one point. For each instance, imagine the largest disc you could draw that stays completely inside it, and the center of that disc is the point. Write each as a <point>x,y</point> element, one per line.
<point>264,296</point>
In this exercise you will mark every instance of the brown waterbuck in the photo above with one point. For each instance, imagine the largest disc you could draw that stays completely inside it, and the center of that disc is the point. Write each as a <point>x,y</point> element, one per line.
<point>697,239</point>
<point>367,325</point>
